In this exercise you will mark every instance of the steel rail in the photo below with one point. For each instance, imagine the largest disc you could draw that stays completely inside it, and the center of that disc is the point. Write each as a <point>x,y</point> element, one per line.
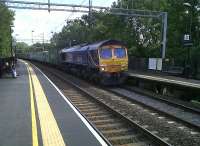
<point>93,126</point>
<point>149,134</point>
<point>170,102</point>
<point>187,123</point>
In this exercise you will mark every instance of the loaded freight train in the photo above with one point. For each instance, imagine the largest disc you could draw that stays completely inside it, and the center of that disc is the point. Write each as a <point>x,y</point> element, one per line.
<point>105,62</point>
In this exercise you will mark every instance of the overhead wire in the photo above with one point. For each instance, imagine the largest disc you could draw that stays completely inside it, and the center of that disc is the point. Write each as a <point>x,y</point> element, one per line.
<point>69,15</point>
<point>72,13</point>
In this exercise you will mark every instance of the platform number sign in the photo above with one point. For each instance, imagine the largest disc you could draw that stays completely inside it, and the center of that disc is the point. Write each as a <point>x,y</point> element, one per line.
<point>186,37</point>
<point>187,41</point>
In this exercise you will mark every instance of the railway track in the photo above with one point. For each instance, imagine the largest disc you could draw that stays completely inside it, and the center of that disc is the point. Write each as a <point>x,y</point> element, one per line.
<point>114,128</point>
<point>166,99</point>
<point>144,123</point>
<point>188,115</point>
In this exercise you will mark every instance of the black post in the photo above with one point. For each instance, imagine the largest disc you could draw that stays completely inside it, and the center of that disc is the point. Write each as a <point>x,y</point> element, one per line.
<point>188,56</point>
<point>1,67</point>
<point>49,6</point>
<point>90,6</point>
<point>11,45</point>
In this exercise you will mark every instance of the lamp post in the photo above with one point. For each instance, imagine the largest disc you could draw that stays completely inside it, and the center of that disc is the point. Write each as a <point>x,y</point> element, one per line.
<point>53,41</point>
<point>43,41</point>
<point>15,44</point>
<point>187,39</point>
<point>32,35</point>
<point>11,41</point>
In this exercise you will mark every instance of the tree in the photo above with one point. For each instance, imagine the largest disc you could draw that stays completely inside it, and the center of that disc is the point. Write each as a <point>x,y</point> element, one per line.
<point>37,47</point>
<point>6,19</point>
<point>142,35</point>
<point>22,47</point>
<point>138,33</point>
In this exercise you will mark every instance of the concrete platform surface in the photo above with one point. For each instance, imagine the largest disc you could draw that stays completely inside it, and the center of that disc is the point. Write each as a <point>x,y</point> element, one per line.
<point>33,111</point>
<point>166,79</point>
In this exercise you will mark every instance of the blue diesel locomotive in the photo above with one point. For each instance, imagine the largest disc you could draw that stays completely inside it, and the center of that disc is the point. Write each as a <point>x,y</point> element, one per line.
<point>105,61</point>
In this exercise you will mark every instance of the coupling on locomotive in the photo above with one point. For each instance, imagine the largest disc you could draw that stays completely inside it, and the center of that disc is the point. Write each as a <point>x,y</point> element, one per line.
<point>105,62</point>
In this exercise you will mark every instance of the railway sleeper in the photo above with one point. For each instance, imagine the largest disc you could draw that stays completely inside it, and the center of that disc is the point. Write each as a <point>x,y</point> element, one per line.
<point>88,108</point>
<point>92,114</point>
<point>135,144</point>
<point>105,122</point>
<point>110,126</point>
<point>99,117</point>
<point>127,139</point>
<point>84,105</point>
<point>71,94</point>
<point>76,96</point>
<point>117,132</point>
<point>92,111</point>
<point>77,102</point>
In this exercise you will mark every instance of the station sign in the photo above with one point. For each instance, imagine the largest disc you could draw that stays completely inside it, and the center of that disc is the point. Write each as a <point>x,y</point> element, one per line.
<point>187,40</point>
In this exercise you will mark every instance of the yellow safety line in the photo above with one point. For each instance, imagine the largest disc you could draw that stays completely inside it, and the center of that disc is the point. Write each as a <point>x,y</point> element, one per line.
<point>51,134</point>
<point>33,119</point>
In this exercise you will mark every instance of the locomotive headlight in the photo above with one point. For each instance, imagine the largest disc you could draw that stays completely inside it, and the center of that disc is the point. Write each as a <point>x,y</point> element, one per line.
<point>7,64</point>
<point>103,69</point>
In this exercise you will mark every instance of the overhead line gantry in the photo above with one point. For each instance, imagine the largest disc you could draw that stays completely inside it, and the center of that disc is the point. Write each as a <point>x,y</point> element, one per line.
<point>87,9</point>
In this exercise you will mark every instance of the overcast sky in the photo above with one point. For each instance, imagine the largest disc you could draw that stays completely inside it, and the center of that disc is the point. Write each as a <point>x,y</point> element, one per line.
<point>41,22</point>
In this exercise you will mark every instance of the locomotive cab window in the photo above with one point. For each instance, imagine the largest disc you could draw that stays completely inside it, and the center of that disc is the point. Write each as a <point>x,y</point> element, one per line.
<point>120,52</point>
<point>106,53</point>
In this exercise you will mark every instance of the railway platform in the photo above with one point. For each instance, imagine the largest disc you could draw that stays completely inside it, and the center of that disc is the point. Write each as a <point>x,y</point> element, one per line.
<point>33,112</point>
<point>165,79</point>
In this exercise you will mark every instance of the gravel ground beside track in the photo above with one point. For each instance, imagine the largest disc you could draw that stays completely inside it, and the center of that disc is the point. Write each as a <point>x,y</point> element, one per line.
<point>173,132</point>
<point>167,99</point>
<point>191,117</point>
